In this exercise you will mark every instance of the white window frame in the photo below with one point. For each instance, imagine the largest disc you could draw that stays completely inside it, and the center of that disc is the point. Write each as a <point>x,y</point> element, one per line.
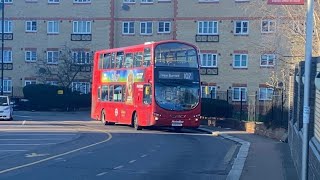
<point>147,1</point>
<point>130,25</point>
<point>242,28</point>
<point>129,1</point>
<point>270,25</point>
<point>6,1</point>
<point>51,58</point>
<point>267,94</point>
<point>210,88</point>
<point>7,26</point>
<point>81,27</point>
<point>7,85</point>
<point>212,29</point>
<point>52,83</point>
<point>214,59</point>
<point>7,56</point>
<point>53,27</point>
<point>53,1</point>
<point>29,56</point>
<point>29,82</point>
<point>268,57</point>
<point>81,60</point>
<point>81,1</point>
<point>146,25</point>
<point>31,26</point>
<point>241,61</point>
<point>76,86</point>
<point>208,0</point>
<point>165,24</point>
<point>243,89</point>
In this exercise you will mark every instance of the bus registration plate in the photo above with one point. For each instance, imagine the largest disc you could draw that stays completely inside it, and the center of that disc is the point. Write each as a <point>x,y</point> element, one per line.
<point>176,123</point>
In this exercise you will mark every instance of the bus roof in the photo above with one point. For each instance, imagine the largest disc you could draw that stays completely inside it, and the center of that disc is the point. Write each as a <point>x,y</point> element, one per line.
<point>140,46</point>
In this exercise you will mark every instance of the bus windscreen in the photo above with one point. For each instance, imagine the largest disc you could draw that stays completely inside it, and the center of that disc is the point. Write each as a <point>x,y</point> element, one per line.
<point>175,54</point>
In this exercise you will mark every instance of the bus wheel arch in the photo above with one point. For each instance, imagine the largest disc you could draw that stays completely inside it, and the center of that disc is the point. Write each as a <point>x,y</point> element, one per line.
<point>135,121</point>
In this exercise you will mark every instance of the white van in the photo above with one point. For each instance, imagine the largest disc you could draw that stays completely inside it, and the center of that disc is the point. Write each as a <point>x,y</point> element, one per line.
<point>5,108</point>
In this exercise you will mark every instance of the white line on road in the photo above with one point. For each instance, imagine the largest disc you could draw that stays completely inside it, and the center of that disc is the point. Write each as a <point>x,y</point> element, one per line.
<point>27,144</point>
<point>21,116</point>
<point>101,174</point>
<point>118,167</point>
<point>143,155</point>
<point>152,150</point>
<point>132,161</point>
<point>11,150</point>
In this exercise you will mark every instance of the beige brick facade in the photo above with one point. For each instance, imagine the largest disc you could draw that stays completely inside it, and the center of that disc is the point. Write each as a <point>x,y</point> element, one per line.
<point>107,18</point>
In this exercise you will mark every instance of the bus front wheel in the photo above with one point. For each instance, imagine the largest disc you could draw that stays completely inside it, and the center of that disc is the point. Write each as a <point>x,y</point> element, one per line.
<point>136,122</point>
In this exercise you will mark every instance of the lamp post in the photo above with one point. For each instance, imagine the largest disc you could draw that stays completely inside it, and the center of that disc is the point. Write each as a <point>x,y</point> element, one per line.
<point>2,45</point>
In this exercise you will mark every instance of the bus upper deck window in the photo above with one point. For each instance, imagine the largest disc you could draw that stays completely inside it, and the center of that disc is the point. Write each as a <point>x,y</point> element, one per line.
<point>137,62</point>
<point>106,61</point>
<point>119,59</point>
<point>128,60</point>
<point>147,57</point>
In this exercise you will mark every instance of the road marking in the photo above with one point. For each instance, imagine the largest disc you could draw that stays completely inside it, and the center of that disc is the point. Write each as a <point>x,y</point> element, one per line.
<point>27,144</point>
<point>35,155</point>
<point>101,174</point>
<point>152,150</point>
<point>21,116</point>
<point>56,156</point>
<point>118,167</point>
<point>49,139</point>
<point>230,153</point>
<point>143,155</point>
<point>9,134</point>
<point>132,161</point>
<point>12,150</point>
<point>24,122</point>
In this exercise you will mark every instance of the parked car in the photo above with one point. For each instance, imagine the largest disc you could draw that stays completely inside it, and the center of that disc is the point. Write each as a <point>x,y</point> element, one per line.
<point>6,109</point>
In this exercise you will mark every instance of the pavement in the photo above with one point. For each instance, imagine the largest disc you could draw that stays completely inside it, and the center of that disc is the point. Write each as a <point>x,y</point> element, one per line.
<point>266,159</point>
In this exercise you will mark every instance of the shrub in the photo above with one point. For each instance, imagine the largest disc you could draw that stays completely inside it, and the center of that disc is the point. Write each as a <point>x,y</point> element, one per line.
<point>215,108</point>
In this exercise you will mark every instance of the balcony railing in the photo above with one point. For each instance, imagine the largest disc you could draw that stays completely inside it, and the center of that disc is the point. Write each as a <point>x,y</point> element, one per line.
<point>209,71</point>
<point>6,66</point>
<point>207,38</point>
<point>81,37</point>
<point>7,36</point>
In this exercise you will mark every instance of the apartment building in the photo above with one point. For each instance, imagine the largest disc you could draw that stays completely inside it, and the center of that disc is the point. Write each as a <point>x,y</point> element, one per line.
<point>226,33</point>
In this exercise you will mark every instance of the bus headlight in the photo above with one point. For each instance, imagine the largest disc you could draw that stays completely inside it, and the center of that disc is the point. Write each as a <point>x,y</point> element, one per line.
<point>156,118</point>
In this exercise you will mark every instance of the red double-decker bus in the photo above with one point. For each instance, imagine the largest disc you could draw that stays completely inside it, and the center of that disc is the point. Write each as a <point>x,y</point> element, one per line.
<point>151,84</point>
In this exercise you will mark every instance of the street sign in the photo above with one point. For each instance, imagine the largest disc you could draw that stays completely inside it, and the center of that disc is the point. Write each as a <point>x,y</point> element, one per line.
<point>286,2</point>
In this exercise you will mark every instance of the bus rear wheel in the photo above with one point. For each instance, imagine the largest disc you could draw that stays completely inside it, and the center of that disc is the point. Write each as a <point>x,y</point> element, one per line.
<point>135,122</point>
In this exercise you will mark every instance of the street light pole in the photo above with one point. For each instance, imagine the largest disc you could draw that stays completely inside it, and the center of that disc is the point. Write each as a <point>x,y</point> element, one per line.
<point>306,107</point>
<point>2,46</point>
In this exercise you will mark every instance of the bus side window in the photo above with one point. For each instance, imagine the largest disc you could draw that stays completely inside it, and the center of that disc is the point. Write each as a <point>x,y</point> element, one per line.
<point>113,60</point>
<point>111,93</point>
<point>128,61</point>
<point>137,62</point>
<point>99,93</point>
<point>117,96</point>
<point>119,59</point>
<point>147,94</point>
<point>104,93</point>
<point>106,61</point>
<point>124,93</point>
<point>147,57</point>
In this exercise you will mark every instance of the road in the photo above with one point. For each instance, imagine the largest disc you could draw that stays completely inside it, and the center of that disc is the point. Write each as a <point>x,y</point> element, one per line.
<point>48,146</point>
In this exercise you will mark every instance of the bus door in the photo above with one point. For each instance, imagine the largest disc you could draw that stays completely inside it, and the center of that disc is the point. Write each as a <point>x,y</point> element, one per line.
<point>143,103</point>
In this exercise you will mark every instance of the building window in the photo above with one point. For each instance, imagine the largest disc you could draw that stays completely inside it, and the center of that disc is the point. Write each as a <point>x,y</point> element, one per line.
<point>265,93</point>
<point>164,27</point>
<point>7,26</point>
<point>267,60</point>
<point>236,93</point>
<point>29,82</point>
<point>208,27</point>
<point>7,58</point>
<point>129,1</point>
<point>241,27</point>
<point>31,56</point>
<point>208,60</point>
<point>82,87</point>
<point>268,26</point>
<point>52,57</point>
<point>208,92</point>
<point>240,61</point>
<point>146,1</point>
<point>82,27</point>
<point>128,28</point>
<point>81,1</point>
<point>6,1</point>
<point>7,85</point>
<point>81,57</point>
<point>52,83</point>
<point>53,1</point>
<point>146,28</point>
<point>53,27</point>
<point>31,26</point>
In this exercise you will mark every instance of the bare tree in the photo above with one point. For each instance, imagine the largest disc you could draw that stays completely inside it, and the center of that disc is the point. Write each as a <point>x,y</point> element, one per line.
<point>65,66</point>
